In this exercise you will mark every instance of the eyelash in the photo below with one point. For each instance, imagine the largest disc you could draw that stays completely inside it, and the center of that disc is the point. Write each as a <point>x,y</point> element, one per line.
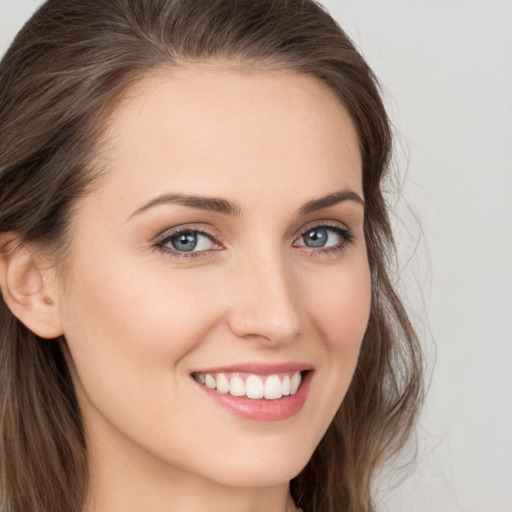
<point>345,234</point>
<point>161,244</point>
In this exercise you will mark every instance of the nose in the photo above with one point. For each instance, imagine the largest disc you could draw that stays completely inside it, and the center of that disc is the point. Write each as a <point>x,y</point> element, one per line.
<point>264,304</point>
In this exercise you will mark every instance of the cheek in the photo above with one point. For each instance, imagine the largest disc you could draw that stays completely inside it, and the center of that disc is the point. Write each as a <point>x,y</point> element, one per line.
<point>340,311</point>
<point>127,327</point>
<point>341,306</point>
<point>130,335</point>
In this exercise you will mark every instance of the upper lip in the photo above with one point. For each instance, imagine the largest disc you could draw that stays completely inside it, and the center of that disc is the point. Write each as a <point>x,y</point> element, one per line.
<point>258,368</point>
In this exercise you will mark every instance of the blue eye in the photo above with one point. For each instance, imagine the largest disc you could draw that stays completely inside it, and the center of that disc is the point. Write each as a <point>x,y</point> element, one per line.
<point>317,237</point>
<point>187,241</point>
<point>325,237</point>
<point>184,242</point>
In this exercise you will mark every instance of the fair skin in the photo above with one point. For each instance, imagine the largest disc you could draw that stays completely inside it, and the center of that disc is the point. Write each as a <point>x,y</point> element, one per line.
<point>264,280</point>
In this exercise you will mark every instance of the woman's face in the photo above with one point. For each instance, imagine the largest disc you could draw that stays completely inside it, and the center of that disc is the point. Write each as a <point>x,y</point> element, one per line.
<point>223,248</point>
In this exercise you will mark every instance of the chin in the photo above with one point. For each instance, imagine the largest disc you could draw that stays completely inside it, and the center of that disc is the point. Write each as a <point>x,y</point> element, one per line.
<point>263,468</point>
<point>255,476</point>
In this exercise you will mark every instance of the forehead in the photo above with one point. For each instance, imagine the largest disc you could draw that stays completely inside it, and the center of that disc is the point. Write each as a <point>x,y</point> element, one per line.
<point>210,129</point>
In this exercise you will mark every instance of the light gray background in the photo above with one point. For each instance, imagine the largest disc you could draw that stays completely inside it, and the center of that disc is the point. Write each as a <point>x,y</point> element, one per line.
<point>446,66</point>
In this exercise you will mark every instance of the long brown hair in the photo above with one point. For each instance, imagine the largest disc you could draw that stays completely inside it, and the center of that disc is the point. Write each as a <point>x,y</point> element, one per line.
<point>59,81</point>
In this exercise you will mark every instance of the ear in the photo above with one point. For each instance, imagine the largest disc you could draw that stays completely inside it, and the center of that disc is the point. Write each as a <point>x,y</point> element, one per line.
<point>28,287</point>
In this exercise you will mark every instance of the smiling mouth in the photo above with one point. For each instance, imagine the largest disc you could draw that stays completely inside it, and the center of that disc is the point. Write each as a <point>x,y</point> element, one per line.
<point>268,387</point>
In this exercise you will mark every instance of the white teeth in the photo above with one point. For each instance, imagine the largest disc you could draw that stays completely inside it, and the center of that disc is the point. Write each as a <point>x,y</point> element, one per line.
<point>254,387</point>
<point>210,381</point>
<point>237,386</point>
<point>273,388</point>
<point>294,383</point>
<point>222,384</point>
<point>286,386</point>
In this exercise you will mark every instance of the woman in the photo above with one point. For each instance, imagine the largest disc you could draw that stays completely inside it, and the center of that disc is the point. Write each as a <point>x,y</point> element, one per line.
<point>197,311</point>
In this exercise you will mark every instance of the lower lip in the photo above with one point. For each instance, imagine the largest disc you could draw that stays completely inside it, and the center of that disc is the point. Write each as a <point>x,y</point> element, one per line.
<point>262,409</point>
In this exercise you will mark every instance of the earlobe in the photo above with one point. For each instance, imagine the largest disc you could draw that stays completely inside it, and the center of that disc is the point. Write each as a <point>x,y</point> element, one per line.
<point>27,288</point>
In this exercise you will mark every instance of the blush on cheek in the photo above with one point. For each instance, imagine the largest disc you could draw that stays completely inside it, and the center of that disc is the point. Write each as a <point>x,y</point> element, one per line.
<point>344,311</point>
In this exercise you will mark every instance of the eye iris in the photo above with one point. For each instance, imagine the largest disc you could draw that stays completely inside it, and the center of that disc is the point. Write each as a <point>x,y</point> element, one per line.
<point>184,242</point>
<point>316,237</point>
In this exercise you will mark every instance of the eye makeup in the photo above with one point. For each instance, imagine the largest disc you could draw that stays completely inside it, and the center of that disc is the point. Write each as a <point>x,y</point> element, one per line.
<point>189,241</point>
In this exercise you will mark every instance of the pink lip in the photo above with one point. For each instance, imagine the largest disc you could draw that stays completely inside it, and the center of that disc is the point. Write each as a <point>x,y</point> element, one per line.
<point>261,410</point>
<point>258,368</point>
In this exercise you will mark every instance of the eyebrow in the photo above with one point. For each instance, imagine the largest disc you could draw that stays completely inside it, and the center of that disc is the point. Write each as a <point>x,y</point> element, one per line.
<point>225,207</point>
<point>330,200</point>
<point>213,204</point>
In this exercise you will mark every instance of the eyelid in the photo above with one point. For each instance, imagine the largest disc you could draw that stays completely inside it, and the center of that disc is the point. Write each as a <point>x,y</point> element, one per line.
<point>160,241</point>
<point>333,224</point>
<point>201,229</point>
<point>342,230</point>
